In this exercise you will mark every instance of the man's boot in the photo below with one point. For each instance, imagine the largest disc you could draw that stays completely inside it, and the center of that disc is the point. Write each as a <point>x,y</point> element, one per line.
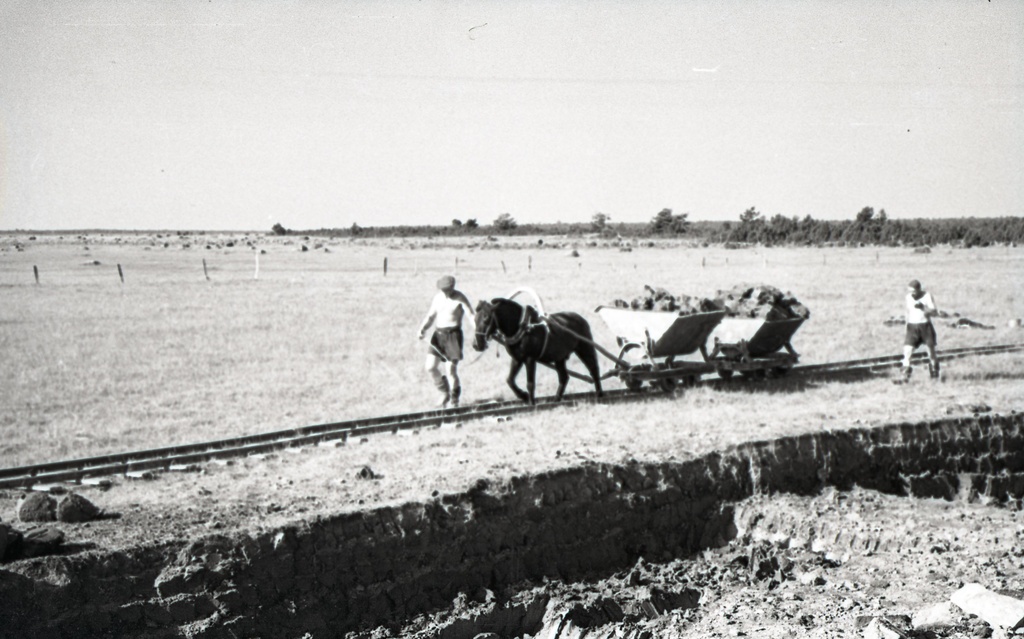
<point>442,385</point>
<point>933,369</point>
<point>456,392</point>
<point>904,377</point>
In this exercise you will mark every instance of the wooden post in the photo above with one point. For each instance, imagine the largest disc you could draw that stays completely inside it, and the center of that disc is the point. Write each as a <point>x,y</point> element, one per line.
<point>256,274</point>
<point>503,269</point>
<point>703,262</point>
<point>35,271</point>
<point>529,262</point>
<point>120,273</point>
<point>385,267</point>
<point>205,272</point>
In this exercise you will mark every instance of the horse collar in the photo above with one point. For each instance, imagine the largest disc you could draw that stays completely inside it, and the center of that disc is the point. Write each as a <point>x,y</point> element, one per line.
<point>524,327</point>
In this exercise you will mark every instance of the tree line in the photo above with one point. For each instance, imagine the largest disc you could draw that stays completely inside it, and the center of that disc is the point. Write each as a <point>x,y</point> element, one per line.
<point>867,227</point>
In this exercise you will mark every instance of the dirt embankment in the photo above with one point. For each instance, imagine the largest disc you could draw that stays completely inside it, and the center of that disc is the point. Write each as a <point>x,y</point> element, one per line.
<point>358,572</point>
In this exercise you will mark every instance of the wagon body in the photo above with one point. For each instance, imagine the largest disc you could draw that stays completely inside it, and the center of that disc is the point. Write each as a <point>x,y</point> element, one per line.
<point>762,337</point>
<point>662,334</point>
<point>654,339</point>
<point>754,345</point>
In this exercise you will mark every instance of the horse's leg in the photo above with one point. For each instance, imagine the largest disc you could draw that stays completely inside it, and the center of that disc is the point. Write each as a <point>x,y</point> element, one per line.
<point>588,355</point>
<point>513,371</point>
<point>531,380</point>
<point>563,378</point>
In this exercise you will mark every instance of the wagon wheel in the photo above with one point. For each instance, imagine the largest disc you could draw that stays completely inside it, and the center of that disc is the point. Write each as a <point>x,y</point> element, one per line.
<point>667,384</point>
<point>779,371</point>
<point>754,373</point>
<point>725,373</point>
<point>631,382</point>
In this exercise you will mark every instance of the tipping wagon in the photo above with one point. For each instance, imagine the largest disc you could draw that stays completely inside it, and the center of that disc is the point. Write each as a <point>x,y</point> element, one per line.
<point>654,345</point>
<point>754,347</point>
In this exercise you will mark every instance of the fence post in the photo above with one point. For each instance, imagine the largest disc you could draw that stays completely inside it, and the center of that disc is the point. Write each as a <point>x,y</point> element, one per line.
<point>205,272</point>
<point>385,267</point>
<point>120,273</point>
<point>35,271</point>
<point>503,269</point>
<point>256,274</point>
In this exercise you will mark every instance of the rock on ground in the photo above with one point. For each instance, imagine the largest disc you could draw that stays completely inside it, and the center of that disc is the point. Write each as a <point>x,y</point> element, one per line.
<point>37,507</point>
<point>74,508</point>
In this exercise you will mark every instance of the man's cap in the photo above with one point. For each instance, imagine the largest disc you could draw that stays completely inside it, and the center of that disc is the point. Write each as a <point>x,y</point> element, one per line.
<point>446,283</point>
<point>914,284</point>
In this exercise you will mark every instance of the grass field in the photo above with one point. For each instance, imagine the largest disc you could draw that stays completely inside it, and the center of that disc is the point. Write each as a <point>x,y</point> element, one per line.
<point>95,365</point>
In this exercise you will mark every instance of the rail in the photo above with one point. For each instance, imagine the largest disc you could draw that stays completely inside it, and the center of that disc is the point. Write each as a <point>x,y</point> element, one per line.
<point>42,476</point>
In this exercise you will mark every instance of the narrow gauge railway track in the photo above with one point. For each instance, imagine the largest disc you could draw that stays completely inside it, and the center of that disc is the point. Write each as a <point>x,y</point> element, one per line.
<point>91,469</point>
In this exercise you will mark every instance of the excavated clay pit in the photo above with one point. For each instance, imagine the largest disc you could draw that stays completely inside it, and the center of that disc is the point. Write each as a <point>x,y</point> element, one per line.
<point>639,550</point>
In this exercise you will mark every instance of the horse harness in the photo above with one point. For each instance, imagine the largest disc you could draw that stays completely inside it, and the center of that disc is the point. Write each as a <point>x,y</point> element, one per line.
<point>525,326</point>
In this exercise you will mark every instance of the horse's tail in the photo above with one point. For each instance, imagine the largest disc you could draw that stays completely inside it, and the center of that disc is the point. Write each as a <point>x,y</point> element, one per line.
<point>586,351</point>
<point>586,348</point>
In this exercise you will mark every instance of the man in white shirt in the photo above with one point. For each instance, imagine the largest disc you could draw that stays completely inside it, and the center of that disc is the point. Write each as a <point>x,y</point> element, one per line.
<point>446,312</point>
<point>920,310</point>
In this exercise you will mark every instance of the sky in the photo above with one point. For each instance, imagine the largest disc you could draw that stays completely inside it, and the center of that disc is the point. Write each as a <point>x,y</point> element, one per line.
<point>236,115</point>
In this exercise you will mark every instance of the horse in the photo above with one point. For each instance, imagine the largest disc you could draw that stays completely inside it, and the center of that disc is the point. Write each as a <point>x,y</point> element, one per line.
<point>530,339</point>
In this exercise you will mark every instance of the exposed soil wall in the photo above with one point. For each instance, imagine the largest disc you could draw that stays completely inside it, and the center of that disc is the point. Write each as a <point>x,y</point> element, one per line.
<point>332,576</point>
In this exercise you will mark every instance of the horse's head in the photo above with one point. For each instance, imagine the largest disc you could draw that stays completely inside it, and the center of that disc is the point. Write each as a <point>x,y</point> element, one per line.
<point>503,320</point>
<point>486,324</point>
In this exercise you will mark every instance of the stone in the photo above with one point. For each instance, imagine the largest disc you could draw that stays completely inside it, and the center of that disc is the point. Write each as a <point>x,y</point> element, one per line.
<point>882,629</point>
<point>811,578</point>
<point>934,617</point>
<point>74,508</point>
<point>41,541</point>
<point>998,610</point>
<point>37,507</point>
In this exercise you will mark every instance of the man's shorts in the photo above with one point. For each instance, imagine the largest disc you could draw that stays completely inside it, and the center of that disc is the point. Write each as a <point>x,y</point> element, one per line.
<point>446,343</point>
<point>918,334</point>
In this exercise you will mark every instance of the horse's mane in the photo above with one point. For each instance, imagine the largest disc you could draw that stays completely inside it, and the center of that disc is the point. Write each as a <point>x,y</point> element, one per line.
<point>531,312</point>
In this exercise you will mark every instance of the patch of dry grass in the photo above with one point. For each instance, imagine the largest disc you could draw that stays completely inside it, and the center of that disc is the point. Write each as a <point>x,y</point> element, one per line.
<point>304,483</point>
<point>94,366</point>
